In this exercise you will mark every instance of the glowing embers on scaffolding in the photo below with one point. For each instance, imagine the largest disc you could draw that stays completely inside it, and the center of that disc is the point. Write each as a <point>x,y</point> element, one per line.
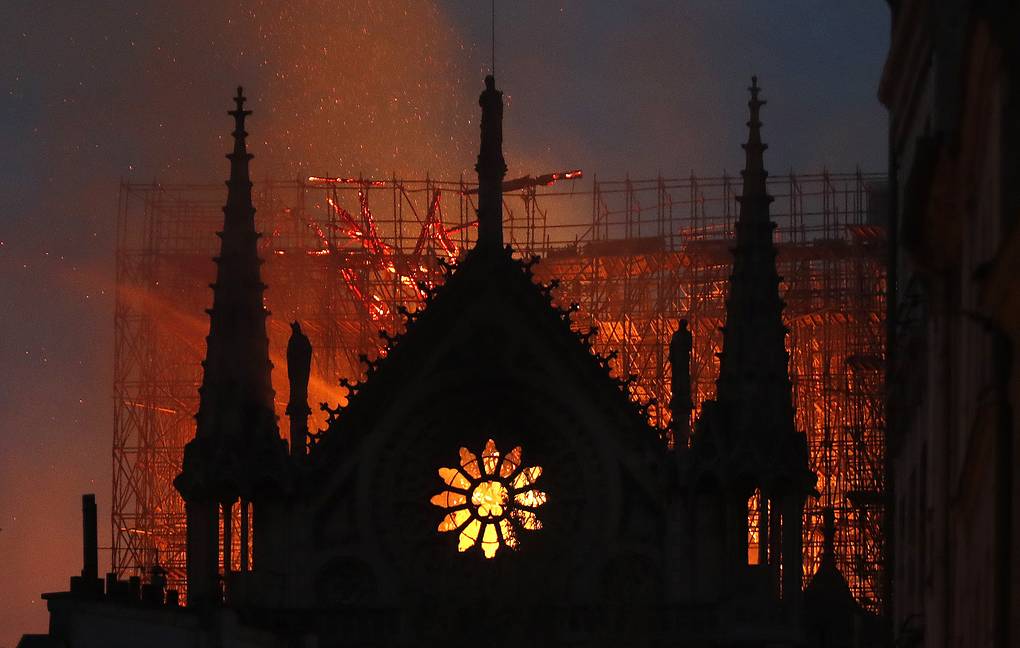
<point>490,500</point>
<point>364,259</point>
<point>347,283</point>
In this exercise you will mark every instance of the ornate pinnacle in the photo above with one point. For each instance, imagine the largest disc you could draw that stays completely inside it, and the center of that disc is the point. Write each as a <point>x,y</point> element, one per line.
<point>753,372</point>
<point>237,366</point>
<point>829,535</point>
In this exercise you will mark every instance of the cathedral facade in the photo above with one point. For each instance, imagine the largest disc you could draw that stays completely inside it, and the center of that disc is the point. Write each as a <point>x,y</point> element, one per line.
<point>490,482</point>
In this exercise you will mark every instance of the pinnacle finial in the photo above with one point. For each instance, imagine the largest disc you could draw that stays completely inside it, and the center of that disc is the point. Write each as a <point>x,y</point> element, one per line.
<point>239,113</point>
<point>754,89</point>
<point>239,184</point>
<point>754,167</point>
<point>828,532</point>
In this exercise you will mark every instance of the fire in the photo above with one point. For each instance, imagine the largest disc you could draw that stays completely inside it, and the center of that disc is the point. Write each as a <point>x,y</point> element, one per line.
<point>529,182</point>
<point>566,175</point>
<point>347,277</point>
<point>320,180</point>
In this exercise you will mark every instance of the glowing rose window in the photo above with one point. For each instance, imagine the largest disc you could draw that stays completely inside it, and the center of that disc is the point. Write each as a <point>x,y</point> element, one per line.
<point>490,500</point>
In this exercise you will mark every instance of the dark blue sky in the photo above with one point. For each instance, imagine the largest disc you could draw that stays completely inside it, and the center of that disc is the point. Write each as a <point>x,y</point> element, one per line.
<point>645,86</point>
<point>94,92</point>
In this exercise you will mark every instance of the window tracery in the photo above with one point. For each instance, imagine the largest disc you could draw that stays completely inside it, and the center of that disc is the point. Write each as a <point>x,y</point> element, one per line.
<point>490,499</point>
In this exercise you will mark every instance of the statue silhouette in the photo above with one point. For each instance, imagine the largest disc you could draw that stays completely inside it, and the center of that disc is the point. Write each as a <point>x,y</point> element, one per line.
<point>299,367</point>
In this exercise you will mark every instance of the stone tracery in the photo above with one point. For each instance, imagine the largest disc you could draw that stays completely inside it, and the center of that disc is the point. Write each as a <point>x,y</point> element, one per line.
<point>490,500</point>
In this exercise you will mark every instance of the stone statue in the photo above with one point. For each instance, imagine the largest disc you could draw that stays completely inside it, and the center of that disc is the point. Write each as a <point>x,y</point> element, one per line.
<point>680,403</point>
<point>299,367</point>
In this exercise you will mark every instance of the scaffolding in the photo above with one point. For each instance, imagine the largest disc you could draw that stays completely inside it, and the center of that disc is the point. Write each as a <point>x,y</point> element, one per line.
<point>343,255</point>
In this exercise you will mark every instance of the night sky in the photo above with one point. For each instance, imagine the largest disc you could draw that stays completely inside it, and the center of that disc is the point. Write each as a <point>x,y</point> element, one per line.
<point>95,92</point>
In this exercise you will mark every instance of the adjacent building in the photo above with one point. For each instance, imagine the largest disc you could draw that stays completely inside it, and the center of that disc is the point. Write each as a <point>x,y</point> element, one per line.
<point>952,86</point>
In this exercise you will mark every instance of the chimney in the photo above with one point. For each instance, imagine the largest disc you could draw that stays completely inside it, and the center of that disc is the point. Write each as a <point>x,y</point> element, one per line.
<point>90,540</point>
<point>88,585</point>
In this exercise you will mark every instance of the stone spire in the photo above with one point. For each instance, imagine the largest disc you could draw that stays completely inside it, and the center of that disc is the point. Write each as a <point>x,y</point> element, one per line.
<point>747,437</point>
<point>491,168</point>
<point>829,599</point>
<point>237,453</point>
<point>237,392</point>
<point>753,382</point>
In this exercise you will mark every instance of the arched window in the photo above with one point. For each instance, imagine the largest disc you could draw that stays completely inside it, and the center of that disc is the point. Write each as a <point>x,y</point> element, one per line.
<point>755,550</point>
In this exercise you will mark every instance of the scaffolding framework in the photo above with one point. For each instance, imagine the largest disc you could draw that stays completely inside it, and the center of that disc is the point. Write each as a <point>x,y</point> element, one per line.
<point>342,255</point>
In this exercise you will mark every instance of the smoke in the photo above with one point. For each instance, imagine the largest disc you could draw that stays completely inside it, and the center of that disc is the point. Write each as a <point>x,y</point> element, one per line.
<point>98,91</point>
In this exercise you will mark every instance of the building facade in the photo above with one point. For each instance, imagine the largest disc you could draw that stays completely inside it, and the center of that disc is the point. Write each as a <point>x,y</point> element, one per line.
<point>952,86</point>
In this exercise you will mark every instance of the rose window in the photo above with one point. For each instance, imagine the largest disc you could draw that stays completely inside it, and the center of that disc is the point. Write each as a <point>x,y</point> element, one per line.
<point>490,501</point>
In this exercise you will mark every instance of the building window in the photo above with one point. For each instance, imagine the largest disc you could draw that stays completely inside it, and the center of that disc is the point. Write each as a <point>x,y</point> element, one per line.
<point>755,552</point>
<point>489,501</point>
